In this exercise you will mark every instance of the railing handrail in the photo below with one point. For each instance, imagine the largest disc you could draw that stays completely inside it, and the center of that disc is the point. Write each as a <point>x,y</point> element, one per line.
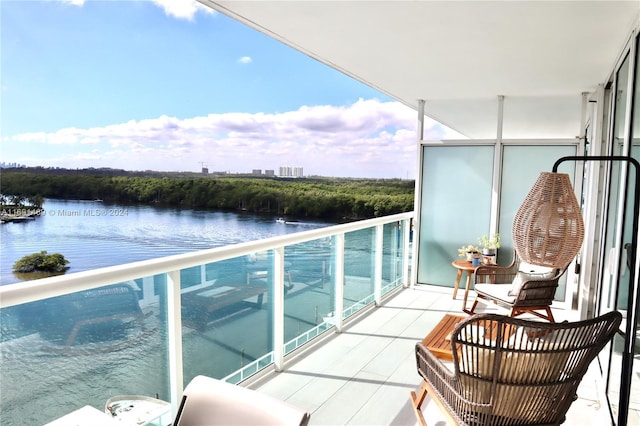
<point>24,292</point>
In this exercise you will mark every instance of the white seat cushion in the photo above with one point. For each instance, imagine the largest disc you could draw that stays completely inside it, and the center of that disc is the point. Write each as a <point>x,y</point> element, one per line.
<point>529,272</point>
<point>496,291</point>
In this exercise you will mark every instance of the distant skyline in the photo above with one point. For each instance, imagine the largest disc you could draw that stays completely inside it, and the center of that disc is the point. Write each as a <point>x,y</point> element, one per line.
<point>167,85</point>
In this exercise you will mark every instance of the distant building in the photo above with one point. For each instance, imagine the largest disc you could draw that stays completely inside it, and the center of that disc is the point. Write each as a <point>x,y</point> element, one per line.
<point>269,173</point>
<point>256,172</point>
<point>4,165</point>
<point>289,171</point>
<point>205,170</point>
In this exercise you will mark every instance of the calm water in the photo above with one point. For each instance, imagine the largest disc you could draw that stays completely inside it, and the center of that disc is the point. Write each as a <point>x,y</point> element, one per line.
<point>40,384</point>
<point>93,235</point>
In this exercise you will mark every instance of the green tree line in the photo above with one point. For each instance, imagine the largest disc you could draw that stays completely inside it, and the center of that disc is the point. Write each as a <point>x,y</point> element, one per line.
<point>334,198</point>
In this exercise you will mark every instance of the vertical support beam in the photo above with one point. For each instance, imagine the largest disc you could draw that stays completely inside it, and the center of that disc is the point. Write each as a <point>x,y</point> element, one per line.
<point>405,253</point>
<point>590,261</point>
<point>500,118</point>
<point>377,278</point>
<point>174,339</point>
<point>497,170</point>
<point>417,198</point>
<point>278,308</point>
<point>339,282</point>
<point>582,132</point>
<point>421,104</point>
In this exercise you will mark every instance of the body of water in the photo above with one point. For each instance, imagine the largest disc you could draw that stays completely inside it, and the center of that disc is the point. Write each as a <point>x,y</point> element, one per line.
<point>94,234</point>
<point>45,375</point>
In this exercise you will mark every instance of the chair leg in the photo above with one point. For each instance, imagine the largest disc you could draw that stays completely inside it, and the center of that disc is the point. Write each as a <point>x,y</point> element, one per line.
<point>473,308</point>
<point>550,315</point>
<point>416,402</point>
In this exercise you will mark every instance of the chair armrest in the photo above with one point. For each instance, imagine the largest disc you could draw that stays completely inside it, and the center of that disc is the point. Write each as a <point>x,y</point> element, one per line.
<point>443,381</point>
<point>538,292</point>
<point>494,274</point>
<point>428,363</point>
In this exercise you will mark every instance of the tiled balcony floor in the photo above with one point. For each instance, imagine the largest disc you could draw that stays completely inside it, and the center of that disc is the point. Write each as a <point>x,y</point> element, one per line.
<point>363,375</point>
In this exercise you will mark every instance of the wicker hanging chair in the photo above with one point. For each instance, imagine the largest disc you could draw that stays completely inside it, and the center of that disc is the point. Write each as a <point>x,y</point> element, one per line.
<point>548,228</point>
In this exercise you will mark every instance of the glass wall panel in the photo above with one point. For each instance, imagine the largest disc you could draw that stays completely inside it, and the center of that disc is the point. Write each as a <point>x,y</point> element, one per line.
<point>616,286</point>
<point>228,324</point>
<point>521,166</point>
<point>634,403</point>
<point>359,263</point>
<point>456,207</point>
<point>92,344</point>
<point>393,255</point>
<point>609,284</point>
<point>309,290</point>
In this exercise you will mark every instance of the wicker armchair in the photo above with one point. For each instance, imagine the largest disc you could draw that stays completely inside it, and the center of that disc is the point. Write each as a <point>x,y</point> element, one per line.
<point>520,287</point>
<point>510,371</point>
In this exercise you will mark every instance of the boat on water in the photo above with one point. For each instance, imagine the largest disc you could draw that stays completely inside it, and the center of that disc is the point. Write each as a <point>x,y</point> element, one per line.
<point>9,218</point>
<point>281,220</point>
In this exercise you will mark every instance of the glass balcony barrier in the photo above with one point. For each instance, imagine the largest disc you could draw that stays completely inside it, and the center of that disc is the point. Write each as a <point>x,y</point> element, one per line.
<point>147,328</point>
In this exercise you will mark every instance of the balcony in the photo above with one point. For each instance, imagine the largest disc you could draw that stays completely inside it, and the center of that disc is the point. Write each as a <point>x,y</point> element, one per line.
<point>263,313</point>
<point>363,375</point>
<point>146,328</point>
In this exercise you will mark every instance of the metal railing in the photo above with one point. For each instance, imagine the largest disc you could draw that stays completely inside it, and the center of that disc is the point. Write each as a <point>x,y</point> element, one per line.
<point>227,312</point>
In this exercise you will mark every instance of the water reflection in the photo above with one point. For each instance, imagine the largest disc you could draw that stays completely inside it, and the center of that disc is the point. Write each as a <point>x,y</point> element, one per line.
<point>131,233</point>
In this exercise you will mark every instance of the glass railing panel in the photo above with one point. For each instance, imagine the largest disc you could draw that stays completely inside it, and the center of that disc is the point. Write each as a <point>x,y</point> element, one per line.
<point>227,321</point>
<point>309,291</point>
<point>359,265</point>
<point>392,256</point>
<point>227,330</point>
<point>66,352</point>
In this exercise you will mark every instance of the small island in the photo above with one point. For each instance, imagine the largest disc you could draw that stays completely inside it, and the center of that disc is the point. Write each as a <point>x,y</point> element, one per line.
<point>40,265</point>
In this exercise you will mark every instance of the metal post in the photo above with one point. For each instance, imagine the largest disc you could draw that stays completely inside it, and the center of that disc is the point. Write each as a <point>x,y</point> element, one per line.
<point>174,337</point>
<point>278,308</point>
<point>338,282</point>
<point>377,275</point>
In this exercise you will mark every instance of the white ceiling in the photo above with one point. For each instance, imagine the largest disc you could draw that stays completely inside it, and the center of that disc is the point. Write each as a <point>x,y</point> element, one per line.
<point>460,55</point>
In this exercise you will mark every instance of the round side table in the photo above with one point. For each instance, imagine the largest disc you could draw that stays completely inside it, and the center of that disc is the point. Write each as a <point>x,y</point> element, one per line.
<point>463,266</point>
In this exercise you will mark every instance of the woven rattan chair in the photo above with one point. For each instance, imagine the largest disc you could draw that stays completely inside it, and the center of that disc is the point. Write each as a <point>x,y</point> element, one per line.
<point>509,371</point>
<point>517,289</point>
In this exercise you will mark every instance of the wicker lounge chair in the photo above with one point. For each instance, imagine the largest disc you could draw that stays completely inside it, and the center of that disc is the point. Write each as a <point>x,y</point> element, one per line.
<point>520,287</point>
<point>520,373</point>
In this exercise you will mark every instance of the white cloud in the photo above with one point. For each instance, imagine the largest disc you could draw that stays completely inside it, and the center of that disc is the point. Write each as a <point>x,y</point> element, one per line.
<point>182,9</point>
<point>245,60</point>
<point>368,138</point>
<point>73,2</point>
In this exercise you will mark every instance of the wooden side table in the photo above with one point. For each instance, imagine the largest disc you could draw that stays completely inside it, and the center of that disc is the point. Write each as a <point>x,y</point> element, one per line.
<point>463,266</point>
<point>438,340</point>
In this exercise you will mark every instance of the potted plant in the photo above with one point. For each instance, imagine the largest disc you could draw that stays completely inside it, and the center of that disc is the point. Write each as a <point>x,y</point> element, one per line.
<point>468,251</point>
<point>490,245</point>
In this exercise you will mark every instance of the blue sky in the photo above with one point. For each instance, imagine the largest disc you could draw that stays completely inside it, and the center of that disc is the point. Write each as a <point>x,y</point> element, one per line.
<point>167,84</point>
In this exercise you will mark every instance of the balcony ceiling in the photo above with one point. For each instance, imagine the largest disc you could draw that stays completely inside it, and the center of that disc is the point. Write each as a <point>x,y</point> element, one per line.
<point>460,55</point>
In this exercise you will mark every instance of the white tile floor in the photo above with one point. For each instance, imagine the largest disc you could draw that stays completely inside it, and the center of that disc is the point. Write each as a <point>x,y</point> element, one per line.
<point>363,375</point>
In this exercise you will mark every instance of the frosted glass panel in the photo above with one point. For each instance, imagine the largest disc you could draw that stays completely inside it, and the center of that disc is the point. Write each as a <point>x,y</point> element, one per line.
<point>456,207</point>
<point>521,166</point>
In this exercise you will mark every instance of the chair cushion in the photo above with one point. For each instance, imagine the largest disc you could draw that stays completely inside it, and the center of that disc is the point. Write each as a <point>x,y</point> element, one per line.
<point>211,402</point>
<point>496,291</point>
<point>543,361</point>
<point>529,272</point>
